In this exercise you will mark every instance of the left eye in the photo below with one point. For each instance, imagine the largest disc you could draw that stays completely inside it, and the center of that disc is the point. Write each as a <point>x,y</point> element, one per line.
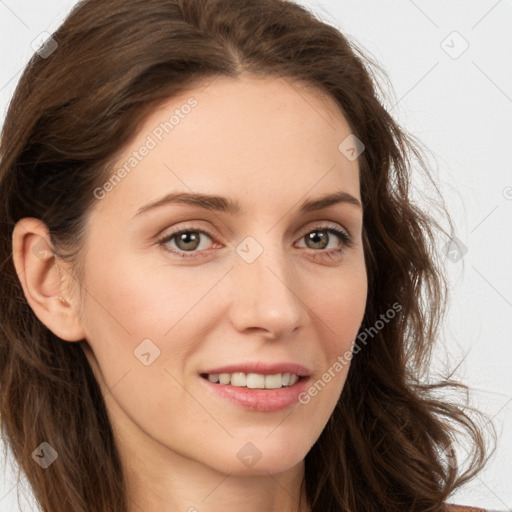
<point>189,240</point>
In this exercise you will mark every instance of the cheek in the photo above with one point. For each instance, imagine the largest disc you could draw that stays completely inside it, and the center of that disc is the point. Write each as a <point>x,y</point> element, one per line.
<point>337,311</point>
<point>145,321</point>
<point>142,297</point>
<point>140,331</point>
<point>340,306</point>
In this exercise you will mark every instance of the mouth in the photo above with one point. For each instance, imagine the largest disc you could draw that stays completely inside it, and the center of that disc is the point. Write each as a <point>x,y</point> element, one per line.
<point>253,380</point>
<point>258,392</point>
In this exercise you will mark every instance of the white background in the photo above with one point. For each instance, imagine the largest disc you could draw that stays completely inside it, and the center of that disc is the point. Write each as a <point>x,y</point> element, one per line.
<point>460,107</point>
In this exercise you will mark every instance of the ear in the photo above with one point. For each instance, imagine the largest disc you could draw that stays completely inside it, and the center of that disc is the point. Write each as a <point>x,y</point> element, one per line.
<point>45,282</point>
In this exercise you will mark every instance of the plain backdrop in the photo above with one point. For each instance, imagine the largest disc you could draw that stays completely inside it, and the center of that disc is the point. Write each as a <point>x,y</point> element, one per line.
<point>449,66</point>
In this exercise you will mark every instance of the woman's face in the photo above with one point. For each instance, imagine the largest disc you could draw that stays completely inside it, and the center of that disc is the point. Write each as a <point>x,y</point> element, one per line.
<point>264,288</point>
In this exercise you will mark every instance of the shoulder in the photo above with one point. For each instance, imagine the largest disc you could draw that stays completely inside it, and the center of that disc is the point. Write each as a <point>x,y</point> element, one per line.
<point>450,507</point>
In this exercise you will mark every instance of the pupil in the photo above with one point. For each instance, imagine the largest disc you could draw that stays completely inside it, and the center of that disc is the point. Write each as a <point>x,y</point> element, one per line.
<point>317,236</point>
<point>188,238</point>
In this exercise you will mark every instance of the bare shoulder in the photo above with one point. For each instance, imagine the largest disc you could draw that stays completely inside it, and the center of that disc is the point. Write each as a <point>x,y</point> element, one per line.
<point>450,507</point>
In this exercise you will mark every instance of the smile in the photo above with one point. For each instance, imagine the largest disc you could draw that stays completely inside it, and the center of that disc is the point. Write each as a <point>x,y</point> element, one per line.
<point>253,380</point>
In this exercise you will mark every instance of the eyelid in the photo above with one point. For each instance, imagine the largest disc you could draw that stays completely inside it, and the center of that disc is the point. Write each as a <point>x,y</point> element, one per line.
<point>193,225</point>
<point>325,225</point>
<point>330,226</point>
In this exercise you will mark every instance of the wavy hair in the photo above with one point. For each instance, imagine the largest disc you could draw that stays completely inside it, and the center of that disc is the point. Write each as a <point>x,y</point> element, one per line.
<point>387,445</point>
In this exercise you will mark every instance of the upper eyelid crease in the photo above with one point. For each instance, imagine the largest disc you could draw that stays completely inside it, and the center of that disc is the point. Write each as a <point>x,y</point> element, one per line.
<point>317,226</point>
<point>233,207</point>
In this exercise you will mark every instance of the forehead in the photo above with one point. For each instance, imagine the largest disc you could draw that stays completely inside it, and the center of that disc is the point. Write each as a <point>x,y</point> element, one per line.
<point>270,136</point>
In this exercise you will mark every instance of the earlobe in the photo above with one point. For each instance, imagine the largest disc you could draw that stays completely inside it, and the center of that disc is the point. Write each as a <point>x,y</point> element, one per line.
<point>42,279</point>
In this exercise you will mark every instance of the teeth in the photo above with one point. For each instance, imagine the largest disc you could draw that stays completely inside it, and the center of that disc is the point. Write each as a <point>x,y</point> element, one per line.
<point>273,381</point>
<point>238,379</point>
<point>224,378</point>
<point>254,380</point>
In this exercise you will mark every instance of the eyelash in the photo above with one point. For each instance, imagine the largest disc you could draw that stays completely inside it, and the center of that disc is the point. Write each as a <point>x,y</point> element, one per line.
<point>342,234</point>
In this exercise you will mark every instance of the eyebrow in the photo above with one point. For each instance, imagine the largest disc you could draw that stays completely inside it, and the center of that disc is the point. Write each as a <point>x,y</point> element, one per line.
<point>230,206</point>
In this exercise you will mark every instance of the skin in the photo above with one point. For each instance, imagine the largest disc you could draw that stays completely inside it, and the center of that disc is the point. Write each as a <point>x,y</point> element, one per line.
<point>269,144</point>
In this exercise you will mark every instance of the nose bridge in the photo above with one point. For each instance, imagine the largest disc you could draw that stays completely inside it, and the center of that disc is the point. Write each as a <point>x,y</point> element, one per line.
<point>266,292</point>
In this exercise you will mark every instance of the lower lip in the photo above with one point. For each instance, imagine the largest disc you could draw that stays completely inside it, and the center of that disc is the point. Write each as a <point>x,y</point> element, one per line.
<point>261,400</point>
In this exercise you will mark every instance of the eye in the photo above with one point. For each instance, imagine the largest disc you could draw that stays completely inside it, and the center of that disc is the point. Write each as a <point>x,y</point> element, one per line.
<point>319,237</point>
<point>187,242</point>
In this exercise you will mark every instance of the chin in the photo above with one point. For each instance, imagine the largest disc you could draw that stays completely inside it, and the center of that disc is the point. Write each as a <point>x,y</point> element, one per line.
<point>260,456</point>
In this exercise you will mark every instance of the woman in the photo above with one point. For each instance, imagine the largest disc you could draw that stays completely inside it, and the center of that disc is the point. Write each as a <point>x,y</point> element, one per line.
<point>220,294</point>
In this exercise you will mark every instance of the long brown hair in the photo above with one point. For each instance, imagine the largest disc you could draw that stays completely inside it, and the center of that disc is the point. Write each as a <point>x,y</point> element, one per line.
<point>77,105</point>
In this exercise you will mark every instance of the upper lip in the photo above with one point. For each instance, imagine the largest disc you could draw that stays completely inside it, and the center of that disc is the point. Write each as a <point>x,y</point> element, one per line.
<point>262,368</point>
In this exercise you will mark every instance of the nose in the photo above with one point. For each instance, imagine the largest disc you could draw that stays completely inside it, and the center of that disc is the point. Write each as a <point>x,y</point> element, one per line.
<point>266,296</point>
